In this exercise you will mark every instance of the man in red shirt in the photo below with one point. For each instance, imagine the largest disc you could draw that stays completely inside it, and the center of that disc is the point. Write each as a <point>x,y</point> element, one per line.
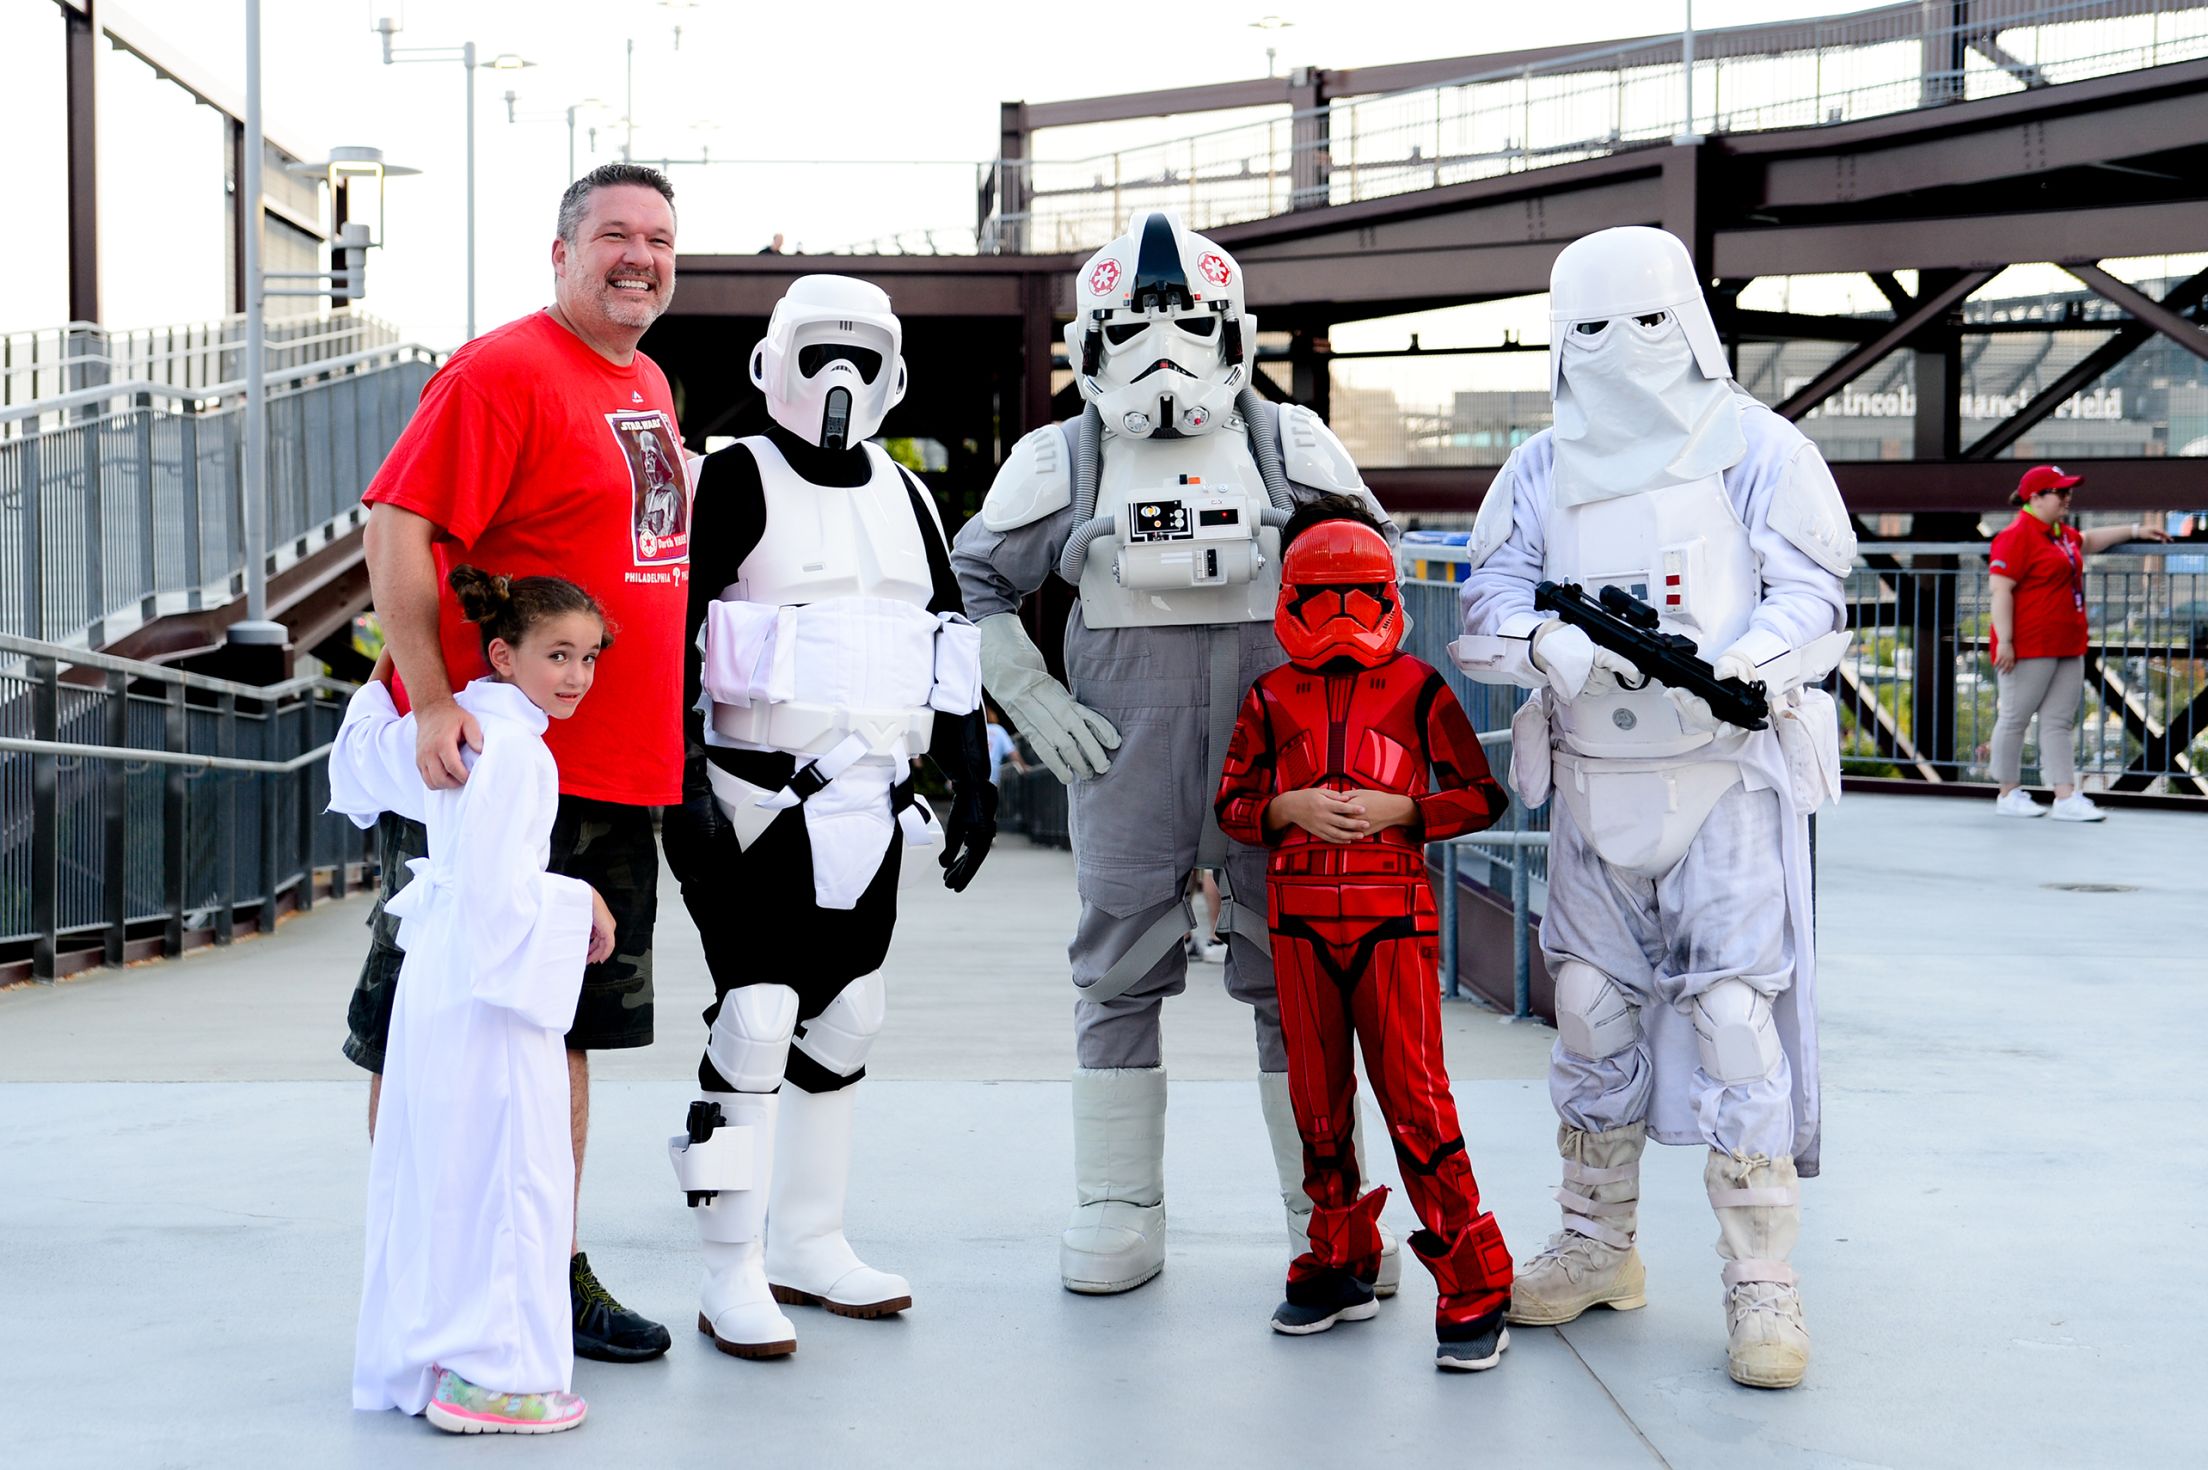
<point>2036,567</point>
<point>550,446</point>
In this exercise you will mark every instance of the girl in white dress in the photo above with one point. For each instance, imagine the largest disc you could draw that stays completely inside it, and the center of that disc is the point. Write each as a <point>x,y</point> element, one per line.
<point>464,1309</point>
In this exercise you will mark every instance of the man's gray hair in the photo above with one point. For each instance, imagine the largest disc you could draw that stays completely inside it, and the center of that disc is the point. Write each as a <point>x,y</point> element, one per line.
<point>577,198</point>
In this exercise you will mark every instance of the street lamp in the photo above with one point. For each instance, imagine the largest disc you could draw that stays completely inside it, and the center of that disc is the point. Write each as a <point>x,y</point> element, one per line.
<point>1270,23</point>
<point>465,54</point>
<point>587,104</point>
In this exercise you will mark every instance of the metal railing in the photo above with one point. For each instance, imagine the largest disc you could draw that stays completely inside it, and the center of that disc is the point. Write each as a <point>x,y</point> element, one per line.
<point>144,806</point>
<point>1597,102</point>
<point>1916,689</point>
<point>121,503</point>
<point>51,361</point>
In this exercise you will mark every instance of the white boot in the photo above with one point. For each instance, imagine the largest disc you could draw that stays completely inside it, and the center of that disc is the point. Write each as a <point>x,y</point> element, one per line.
<point>1758,1203</point>
<point>737,1310</point>
<point>1280,1128</point>
<point>809,1262</point>
<point>1591,1261</point>
<point>1116,1238</point>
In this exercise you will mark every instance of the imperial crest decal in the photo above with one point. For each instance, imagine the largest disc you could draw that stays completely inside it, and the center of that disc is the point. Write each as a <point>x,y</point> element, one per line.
<point>1214,268</point>
<point>1104,278</point>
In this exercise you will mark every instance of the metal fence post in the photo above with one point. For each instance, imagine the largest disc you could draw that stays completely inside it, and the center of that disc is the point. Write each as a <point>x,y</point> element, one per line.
<point>176,736</point>
<point>1449,919</point>
<point>226,820</point>
<point>45,819</point>
<point>195,529</point>
<point>34,538</point>
<point>269,785</point>
<point>114,803</point>
<point>95,550</point>
<point>306,803</point>
<point>1521,904</point>
<point>149,599</point>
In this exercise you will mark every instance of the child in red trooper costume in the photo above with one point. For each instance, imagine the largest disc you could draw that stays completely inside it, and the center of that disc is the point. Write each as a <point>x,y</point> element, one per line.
<point>1345,763</point>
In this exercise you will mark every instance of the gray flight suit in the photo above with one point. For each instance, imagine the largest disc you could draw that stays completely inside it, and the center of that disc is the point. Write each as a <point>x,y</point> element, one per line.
<point>1136,827</point>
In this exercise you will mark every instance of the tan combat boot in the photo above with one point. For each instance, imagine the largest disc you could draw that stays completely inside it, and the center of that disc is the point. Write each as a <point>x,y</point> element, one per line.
<point>1591,1261</point>
<point>1759,1216</point>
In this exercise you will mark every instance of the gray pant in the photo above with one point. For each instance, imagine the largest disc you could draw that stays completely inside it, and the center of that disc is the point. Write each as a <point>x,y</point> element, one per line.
<point>2050,688</point>
<point>1125,1031</point>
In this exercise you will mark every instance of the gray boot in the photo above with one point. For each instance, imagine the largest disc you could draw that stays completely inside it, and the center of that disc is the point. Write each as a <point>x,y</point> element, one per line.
<point>1759,1217</point>
<point>1116,1238</point>
<point>1280,1127</point>
<point>1591,1261</point>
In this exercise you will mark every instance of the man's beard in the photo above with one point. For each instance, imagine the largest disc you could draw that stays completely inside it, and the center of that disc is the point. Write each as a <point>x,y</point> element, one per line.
<point>630,309</point>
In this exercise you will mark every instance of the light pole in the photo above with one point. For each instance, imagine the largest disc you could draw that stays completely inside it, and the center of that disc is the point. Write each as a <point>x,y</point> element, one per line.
<point>465,53</point>
<point>1270,23</point>
<point>587,104</point>
<point>258,643</point>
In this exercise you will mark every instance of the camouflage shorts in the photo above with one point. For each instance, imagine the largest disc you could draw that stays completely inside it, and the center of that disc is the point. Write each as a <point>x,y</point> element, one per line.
<point>608,846</point>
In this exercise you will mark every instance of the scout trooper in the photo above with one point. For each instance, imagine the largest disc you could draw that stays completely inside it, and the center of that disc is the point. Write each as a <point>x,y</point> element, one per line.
<point>1678,924</point>
<point>1162,505</point>
<point>828,649</point>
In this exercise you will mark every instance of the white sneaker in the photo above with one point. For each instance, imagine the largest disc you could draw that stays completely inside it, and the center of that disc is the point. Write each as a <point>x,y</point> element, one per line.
<point>2019,803</point>
<point>2075,808</point>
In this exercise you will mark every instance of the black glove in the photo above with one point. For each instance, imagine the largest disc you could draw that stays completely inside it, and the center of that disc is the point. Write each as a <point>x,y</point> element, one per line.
<point>690,832</point>
<point>969,832</point>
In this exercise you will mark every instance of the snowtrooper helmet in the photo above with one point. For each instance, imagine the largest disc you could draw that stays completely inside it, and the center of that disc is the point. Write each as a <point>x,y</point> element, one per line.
<point>1159,341</point>
<point>1632,279</point>
<point>830,366</point>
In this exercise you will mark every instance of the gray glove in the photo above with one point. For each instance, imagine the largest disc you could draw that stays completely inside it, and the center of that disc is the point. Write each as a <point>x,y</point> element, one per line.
<point>1070,737</point>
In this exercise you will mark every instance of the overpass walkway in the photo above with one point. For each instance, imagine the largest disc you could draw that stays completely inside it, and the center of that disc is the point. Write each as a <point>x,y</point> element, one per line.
<point>2010,1162</point>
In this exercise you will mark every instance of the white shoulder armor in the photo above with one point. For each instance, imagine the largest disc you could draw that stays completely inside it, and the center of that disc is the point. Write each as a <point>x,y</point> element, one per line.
<point>1313,456</point>
<point>1036,481</point>
<point>1491,528</point>
<point>1807,510</point>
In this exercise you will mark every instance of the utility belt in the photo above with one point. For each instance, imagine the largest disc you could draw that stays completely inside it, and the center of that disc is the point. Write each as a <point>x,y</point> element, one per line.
<point>804,728</point>
<point>1351,860</point>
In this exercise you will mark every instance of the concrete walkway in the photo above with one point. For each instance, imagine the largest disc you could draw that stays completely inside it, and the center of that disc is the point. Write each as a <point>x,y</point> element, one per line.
<point>2010,1162</point>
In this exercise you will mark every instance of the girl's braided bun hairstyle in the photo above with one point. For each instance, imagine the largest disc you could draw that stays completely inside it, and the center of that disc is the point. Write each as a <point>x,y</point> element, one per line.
<point>508,607</point>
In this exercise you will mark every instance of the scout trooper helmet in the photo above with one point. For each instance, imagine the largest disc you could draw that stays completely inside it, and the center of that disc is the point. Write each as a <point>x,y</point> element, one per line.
<point>829,366</point>
<point>1159,341</point>
<point>1632,280</point>
<point>1338,597</point>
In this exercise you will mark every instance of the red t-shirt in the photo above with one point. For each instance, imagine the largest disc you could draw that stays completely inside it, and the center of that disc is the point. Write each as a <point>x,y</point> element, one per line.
<point>532,454</point>
<point>2047,563</point>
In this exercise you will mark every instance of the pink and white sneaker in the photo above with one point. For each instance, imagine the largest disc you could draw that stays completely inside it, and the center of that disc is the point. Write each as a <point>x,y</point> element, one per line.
<point>460,1407</point>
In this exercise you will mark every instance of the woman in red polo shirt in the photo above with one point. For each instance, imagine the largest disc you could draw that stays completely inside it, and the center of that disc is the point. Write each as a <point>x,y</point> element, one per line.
<point>2037,568</point>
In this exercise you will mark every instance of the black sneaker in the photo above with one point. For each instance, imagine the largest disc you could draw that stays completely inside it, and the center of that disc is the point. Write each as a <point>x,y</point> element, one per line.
<point>604,1329</point>
<point>1322,1301</point>
<point>1471,1347</point>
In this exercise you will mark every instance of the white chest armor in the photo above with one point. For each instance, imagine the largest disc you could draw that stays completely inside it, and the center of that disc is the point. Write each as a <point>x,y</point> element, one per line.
<point>1189,547</point>
<point>822,541</point>
<point>826,633</point>
<point>1683,551</point>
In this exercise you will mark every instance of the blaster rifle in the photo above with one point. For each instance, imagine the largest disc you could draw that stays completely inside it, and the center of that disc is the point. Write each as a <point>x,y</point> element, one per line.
<point>1627,627</point>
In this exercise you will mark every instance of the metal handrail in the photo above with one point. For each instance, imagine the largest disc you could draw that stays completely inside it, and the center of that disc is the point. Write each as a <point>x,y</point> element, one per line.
<point>91,855</point>
<point>162,673</point>
<point>136,755</point>
<point>149,389</point>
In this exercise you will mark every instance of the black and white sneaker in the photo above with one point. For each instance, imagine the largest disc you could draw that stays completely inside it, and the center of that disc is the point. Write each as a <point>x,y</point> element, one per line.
<point>1471,1347</point>
<point>604,1329</point>
<point>1317,1304</point>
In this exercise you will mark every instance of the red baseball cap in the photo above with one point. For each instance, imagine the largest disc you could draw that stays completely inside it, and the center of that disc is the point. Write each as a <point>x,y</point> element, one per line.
<point>2040,479</point>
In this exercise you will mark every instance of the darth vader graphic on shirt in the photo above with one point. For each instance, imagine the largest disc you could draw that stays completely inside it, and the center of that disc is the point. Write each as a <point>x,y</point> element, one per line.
<point>659,499</point>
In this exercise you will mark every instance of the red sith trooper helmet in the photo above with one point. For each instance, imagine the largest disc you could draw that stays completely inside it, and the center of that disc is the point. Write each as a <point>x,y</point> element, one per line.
<point>1338,597</point>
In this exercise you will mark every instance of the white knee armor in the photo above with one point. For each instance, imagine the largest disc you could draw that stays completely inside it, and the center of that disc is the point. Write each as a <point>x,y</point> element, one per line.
<point>840,1037</point>
<point>1594,1018</point>
<point>750,1040</point>
<point>1734,1032</point>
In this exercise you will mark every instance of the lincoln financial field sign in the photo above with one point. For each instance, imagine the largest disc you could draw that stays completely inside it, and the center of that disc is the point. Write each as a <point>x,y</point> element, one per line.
<point>1901,403</point>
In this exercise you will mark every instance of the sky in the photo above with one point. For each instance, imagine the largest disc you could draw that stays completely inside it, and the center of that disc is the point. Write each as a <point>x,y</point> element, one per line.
<point>833,134</point>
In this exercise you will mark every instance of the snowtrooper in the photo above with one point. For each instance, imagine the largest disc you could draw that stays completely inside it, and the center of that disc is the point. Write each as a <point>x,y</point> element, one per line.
<point>1162,505</point>
<point>828,648</point>
<point>1679,925</point>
